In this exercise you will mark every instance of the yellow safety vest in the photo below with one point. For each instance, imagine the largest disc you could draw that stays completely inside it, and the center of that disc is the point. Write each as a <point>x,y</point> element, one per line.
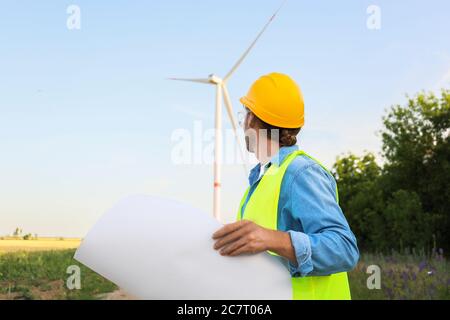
<point>262,209</point>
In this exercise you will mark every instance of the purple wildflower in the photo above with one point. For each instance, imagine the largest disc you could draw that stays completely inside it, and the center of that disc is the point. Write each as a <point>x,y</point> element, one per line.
<point>422,265</point>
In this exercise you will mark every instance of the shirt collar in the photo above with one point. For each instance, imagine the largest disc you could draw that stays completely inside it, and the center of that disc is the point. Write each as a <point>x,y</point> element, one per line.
<point>282,154</point>
<point>275,160</point>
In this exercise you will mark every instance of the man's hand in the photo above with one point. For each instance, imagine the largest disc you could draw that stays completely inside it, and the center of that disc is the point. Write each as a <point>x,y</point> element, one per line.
<point>246,237</point>
<point>242,237</point>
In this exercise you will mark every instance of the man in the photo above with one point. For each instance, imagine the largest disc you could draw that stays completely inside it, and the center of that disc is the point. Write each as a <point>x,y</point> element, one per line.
<point>291,207</point>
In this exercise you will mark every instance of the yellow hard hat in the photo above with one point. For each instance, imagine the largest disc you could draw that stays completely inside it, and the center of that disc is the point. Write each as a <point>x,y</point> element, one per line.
<point>277,100</point>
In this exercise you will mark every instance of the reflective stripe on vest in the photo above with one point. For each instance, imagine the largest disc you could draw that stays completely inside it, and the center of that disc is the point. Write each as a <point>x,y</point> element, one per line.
<point>262,209</point>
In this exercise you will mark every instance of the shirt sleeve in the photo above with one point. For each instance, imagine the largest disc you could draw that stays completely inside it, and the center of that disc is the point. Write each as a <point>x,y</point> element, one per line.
<point>323,241</point>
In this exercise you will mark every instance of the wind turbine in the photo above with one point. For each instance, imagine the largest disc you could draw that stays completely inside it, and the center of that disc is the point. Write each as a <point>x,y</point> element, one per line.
<point>222,93</point>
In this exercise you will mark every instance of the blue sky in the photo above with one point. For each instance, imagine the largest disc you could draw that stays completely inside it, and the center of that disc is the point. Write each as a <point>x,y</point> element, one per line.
<point>86,116</point>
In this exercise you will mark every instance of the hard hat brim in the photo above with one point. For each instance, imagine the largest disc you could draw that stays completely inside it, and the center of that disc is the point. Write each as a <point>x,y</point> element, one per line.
<point>271,118</point>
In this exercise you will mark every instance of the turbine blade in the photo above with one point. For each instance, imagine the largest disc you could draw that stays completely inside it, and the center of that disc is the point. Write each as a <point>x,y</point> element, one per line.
<point>229,107</point>
<point>207,81</point>
<point>241,59</point>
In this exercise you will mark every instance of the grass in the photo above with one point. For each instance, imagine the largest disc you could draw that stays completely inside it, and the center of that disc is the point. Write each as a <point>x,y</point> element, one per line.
<point>408,276</point>
<point>42,275</point>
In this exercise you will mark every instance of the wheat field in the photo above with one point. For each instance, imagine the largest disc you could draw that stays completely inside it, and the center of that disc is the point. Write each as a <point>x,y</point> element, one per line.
<point>40,244</point>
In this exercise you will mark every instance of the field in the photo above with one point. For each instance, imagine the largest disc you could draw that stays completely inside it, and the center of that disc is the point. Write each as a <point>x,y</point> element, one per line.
<point>40,244</point>
<point>26,272</point>
<point>42,275</point>
<point>408,276</point>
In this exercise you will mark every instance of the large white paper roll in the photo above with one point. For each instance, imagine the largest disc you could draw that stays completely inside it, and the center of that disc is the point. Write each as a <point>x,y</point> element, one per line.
<point>156,248</point>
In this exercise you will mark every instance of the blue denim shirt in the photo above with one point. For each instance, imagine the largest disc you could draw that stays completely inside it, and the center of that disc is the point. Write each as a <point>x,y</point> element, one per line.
<point>309,212</point>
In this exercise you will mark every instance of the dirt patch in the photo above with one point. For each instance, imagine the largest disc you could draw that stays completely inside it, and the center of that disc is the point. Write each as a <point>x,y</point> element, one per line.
<point>10,296</point>
<point>116,295</point>
<point>50,291</point>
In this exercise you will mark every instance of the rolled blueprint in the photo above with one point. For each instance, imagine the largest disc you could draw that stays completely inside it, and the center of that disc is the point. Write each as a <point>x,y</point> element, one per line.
<point>155,248</point>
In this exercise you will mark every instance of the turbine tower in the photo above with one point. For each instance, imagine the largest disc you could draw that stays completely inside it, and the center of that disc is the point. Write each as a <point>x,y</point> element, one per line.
<point>223,94</point>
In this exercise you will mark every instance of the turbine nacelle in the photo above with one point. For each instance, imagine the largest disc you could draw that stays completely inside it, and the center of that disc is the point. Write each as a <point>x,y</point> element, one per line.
<point>214,79</point>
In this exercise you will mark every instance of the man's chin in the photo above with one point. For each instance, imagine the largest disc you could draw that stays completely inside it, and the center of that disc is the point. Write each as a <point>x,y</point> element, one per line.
<point>250,150</point>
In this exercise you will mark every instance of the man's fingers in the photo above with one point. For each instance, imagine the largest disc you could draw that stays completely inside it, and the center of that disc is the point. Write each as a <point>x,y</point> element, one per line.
<point>231,237</point>
<point>233,247</point>
<point>241,250</point>
<point>229,228</point>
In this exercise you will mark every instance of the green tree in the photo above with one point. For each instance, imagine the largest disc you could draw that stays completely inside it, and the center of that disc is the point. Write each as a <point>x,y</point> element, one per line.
<point>416,146</point>
<point>360,198</point>
<point>408,225</point>
<point>405,203</point>
<point>28,236</point>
